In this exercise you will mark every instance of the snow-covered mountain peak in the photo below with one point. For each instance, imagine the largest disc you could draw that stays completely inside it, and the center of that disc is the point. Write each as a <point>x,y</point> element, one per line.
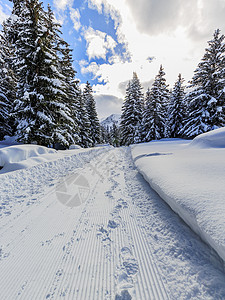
<point>110,120</point>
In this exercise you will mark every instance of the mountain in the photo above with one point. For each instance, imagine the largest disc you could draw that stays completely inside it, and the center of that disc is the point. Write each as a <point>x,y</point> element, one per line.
<point>108,122</point>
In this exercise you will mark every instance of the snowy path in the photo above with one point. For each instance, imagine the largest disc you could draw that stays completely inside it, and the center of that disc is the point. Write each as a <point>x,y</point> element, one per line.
<point>123,242</point>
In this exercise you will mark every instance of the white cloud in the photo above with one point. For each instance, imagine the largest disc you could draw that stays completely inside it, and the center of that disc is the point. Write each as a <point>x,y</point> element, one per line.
<point>116,76</point>
<point>107,105</point>
<point>96,4</point>
<point>113,8</point>
<point>174,32</point>
<point>162,29</point>
<point>62,4</point>
<point>92,68</point>
<point>75,17</point>
<point>98,43</point>
<point>198,18</point>
<point>3,16</point>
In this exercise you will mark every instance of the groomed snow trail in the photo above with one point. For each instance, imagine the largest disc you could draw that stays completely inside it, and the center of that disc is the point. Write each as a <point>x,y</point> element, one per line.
<point>102,233</point>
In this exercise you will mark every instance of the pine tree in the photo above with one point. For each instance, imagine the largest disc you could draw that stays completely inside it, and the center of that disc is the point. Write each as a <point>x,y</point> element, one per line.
<point>12,24</point>
<point>7,88</point>
<point>42,108</point>
<point>132,113</point>
<point>68,121</point>
<point>150,131</point>
<point>163,96</point>
<point>152,121</point>
<point>115,135</point>
<point>177,107</point>
<point>108,135</point>
<point>206,101</point>
<point>104,134</point>
<point>95,131</point>
<point>155,116</point>
<point>83,122</point>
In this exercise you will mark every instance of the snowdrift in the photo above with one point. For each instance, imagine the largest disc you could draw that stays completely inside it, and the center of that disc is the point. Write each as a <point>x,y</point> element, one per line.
<point>18,157</point>
<point>212,139</point>
<point>190,177</point>
<point>22,156</point>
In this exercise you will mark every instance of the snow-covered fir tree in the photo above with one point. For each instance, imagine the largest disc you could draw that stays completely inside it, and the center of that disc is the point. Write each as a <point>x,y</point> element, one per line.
<point>68,122</point>
<point>95,130</point>
<point>177,109</point>
<point>155,116</point>
<point>149,126</point>
<point>111,135</point>
<point>40,107</point>
<point>12,24</point>
<point>115,135</point>
<point>83,122</point>
<point>70,114</point>
<point>132,113</point>
<point>7,87</point>
<point>106,135</point>
<point>206,100</point>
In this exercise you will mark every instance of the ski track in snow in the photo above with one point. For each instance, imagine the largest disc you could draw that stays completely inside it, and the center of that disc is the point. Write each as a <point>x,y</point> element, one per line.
<point>122,243</point>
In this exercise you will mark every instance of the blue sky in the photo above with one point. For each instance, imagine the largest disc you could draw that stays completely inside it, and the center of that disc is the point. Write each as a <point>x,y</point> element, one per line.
<point>112,38</point>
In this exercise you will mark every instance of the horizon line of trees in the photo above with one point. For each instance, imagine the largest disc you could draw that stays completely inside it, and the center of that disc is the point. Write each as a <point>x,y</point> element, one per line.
<point>183,112</point>
<point>40,98</point>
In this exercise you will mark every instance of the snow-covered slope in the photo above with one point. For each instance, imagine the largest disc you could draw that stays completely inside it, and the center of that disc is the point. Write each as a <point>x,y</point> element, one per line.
<point>109,121</point>
<point>190,177</point>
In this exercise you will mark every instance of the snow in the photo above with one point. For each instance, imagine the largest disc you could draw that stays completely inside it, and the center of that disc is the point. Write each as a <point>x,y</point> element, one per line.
<point>110,120</point>
<point>17,157</point>
<point>74,146</point>
<point>119,241</point>
<point>214,139</point>
<point>190,176</point>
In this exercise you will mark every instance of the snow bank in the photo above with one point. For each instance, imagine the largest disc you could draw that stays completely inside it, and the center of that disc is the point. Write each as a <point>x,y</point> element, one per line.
<point>18,157</point>
<point>191,180</point>
<point>22,156</point>
<point>214,139</point>
<point>74,146</point>
<point>23,186</point>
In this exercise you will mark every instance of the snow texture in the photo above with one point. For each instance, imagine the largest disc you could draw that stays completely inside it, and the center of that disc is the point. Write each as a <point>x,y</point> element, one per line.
<point>23,156</point>
<point>122,242</point>
<point>213,139</point>
<point>190,177</point>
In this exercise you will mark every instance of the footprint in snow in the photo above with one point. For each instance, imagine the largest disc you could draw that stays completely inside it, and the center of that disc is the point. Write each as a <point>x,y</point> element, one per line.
<point>116,209</point>
<point>124,295</point>
<point>112,224</point>
<point>104,234</point>
<point>129,262</point>
<point>128,270</point>
<point>121,204</point>
<point>59,272</point>
<point>109,194</point>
